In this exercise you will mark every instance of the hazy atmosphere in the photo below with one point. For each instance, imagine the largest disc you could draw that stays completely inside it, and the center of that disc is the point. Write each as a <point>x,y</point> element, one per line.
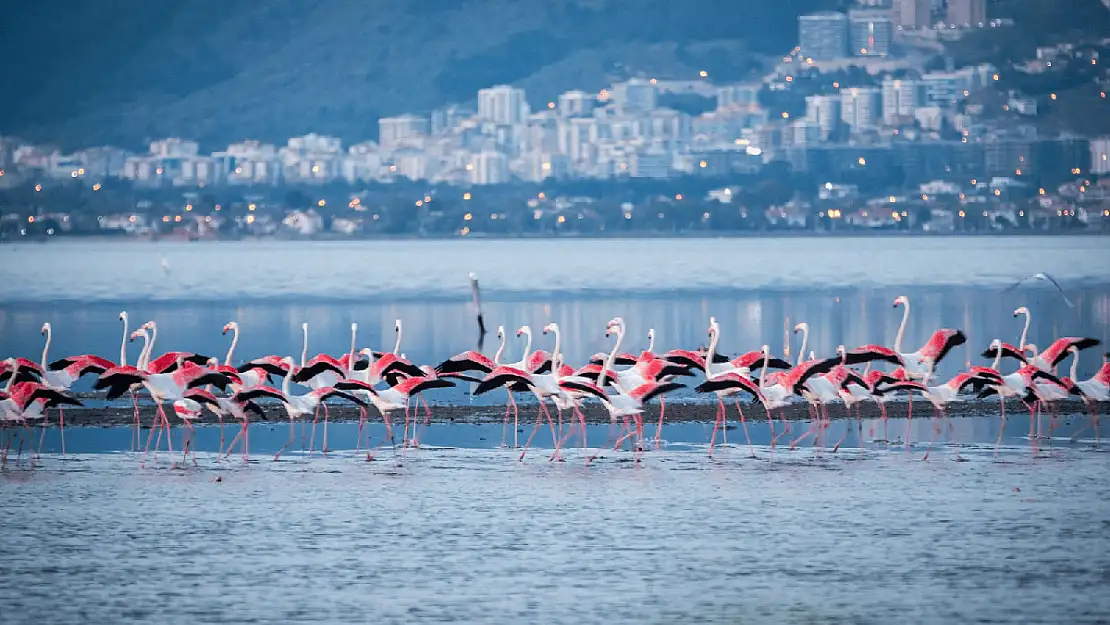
<point>596,311</point>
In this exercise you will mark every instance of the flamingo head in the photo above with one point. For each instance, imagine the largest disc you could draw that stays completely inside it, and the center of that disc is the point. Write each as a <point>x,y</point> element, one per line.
<point>651,334</point>
<point>1021,311</point>
<point>45,327</point>
<point>141,332</point>
<point>801,327</point>
<point>522,330</point>
<point>212,363</point>
<point>365,351</point>
<point>1031,348</point>
<point>291,364</point>
<point>500,332</point>
<point>304,326</point>
<point>148,325</point>
<point>901,300</point>
<point>123,315</point>
<point>766,349</point>
<point>841,351</point>
<point>397,326</point>
<point>551,327</point>
<point>995,344</point>
<point>473,276</point>
<point>229,326</point>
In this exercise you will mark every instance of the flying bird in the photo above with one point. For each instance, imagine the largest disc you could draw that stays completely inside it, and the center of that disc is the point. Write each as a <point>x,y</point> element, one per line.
<point>1046,278</point>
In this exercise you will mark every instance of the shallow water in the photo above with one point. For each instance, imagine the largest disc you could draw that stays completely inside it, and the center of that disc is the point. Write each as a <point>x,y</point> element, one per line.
<point>242,271</point>
<point>472,535</point>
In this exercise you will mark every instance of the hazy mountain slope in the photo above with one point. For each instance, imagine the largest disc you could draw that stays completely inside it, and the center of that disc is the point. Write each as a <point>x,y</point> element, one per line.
<point>124,70</point>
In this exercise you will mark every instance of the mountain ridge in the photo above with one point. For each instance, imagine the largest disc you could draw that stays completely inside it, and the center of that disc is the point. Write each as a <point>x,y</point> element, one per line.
<point>124,71</point>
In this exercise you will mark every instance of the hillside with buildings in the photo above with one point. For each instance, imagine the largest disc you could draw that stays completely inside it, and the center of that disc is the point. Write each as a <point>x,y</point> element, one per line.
<point>126,71</point>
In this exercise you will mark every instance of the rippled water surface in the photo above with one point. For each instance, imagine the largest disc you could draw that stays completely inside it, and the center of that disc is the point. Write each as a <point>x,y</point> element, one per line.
<point>462,531</point>
<point>471,535</point>
<point>283,269</point>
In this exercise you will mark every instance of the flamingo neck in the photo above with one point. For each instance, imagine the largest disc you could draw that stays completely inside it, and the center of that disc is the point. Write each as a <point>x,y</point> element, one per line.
<point>123,343</point>
<point>46,347</point>
<point>527,345</point>
<point>1025,332</point>
<point>902,327</point>
<point>234,342</point>
<point>285,382</point>
<point>304,345</point>
<point>805,341</point>
<point>397,345</point>
<point>651,341</point>
<point>715,333</point>
<point>555,353</point>
<point>1074,365</point>
<point>998,358</point>
<point>763,370</point>
<point>150,345</point>
<point>612,356</point>
<point>500,351</point>
<point>351,359</point>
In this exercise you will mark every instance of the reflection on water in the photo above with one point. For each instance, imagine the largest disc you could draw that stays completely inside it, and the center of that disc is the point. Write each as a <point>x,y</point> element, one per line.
<point>473,536</point>
<point>99,271</point>
<point>435,330</point>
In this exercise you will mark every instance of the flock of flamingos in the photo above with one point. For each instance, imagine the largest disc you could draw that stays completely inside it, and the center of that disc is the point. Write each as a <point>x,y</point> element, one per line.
<point>622,382</point>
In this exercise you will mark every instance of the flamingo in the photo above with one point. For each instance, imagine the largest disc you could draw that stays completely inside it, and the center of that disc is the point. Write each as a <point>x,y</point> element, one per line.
<point>943,394</point>
<point>61,374</point>
<point>323,371</point>
<point>395,397</point>
<point>1092,390</point>
<point>296,406</point>
<point>195,399</point>
<point>29,401</point>
<point>162,386</point>
<point>167,362</point>
<point>935,349</point>
<point>623,403</point>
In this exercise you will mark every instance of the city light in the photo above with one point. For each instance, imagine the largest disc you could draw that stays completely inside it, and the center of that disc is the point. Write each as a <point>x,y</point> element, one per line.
<point>96,187</point>
<point>703,74</point>
<point>678,196</point>
<point>836,85</point>
<point>561,219</point>
<point>892,199</point>
<point>250,219</point>
<point>705,215</point>
<point>541,195</point>
<point>73,174</point>
<point>466,196</point>
<point>427,198</point>
<point>785,115</point>
<point>963,214</point>
<point>1,173</point>
<point>31,219</point>
<point>861,161</point>
<point>38,187</point>
<point>468,217</point>
<point>702,164</point>
<point>653,81</point>
<point>789,79</point>
<point>177,218</point>
<point>419,203</point>
<point>188,207</point>
<point>1052,96</point>
<point>315,169</point>
<point>550,105</point>
<point>321,203</point>
<point>251,207</point>
<point>465,231</point>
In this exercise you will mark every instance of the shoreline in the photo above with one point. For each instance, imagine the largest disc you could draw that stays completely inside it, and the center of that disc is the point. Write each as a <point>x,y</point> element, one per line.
<point>654,236</point>
<point>676,412</point>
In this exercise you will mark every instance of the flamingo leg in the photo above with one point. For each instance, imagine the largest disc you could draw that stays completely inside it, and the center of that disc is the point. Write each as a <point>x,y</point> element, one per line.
<point>292,438</point>
<point>539,421</point>
<point>312,437</point>
<point>557,440</point>
<point>62,428</point>
<point>716,424</point>
<point>744,424</point>
<point>136,430</point>
<point>812,423</point>
<point>427,419</point>
<point>936,432</point>
<point>659,428</point>
<point>324,445</point>
<point>1002,427</point>
<point>505,423</point>
<point>516,419</point>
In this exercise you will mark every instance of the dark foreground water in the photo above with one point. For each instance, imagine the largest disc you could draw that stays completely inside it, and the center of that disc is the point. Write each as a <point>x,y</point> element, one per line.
<point>465,533</point>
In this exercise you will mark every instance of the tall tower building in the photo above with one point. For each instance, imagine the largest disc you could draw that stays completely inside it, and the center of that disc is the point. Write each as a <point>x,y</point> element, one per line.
<point>913,14</point>
<point>823,36</point>
<point>502,105</point>
<point>871,32</point>
<point>969,13</point>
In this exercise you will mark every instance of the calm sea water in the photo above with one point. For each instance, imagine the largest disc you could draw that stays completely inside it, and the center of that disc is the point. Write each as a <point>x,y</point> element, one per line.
<point>463,532</point>
<point>471,535</point>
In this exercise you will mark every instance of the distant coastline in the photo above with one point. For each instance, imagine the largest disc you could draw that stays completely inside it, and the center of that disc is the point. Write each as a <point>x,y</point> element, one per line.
<point>654,236</point>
